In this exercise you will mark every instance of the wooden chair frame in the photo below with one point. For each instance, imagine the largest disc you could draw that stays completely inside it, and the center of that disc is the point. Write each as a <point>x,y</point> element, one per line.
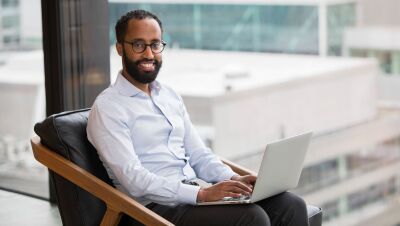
<point>117,202</point>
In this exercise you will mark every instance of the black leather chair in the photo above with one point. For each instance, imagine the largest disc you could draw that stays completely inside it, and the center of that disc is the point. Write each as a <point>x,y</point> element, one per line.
<point>84,191</point>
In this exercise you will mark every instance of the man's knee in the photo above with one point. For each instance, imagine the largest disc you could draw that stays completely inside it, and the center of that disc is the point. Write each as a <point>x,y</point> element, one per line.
<point>296,209</point>
<point>295,202</point>
<point>255,216</point>
<point>285,209</point>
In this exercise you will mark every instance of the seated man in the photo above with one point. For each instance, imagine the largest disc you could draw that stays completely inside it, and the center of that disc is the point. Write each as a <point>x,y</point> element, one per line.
<point>152,152</point>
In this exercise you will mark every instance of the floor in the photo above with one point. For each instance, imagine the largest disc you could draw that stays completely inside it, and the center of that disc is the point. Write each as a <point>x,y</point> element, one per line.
<point>39,188</point>
<point>21,210</point>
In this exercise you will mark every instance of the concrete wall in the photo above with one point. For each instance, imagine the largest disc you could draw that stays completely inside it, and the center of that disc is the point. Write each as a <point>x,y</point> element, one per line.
<point>389,92</point>
<point>379,12</point>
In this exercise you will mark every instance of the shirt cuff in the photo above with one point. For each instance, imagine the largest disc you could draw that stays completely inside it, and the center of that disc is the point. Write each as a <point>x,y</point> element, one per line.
<point>188,193</point>
<point>227,175</point>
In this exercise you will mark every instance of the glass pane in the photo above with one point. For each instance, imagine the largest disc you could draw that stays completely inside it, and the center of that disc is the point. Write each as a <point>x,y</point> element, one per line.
<point>22,96</point>
<point>259,28</point>
<point>340,17</point>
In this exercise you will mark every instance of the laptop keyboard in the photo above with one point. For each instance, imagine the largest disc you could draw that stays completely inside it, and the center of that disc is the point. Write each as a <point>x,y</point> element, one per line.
<point>240,198</point>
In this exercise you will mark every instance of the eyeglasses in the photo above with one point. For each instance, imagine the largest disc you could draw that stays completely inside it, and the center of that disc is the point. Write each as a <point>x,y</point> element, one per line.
<point>140,46</point>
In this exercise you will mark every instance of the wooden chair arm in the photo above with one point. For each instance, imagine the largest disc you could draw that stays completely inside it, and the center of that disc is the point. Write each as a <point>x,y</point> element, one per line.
<point>237,168</point>
<point>116,201</point>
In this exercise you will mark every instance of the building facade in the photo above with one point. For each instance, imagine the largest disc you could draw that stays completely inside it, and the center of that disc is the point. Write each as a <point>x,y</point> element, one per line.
<point>20,25</point>
<point>9,24</point>
<point>290,26</point>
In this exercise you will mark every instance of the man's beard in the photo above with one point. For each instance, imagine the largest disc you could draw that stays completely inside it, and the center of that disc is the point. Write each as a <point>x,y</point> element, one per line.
<point>133,70</point>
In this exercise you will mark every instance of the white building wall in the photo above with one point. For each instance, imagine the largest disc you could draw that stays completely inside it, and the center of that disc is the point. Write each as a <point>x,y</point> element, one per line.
<point>31,22</point>
<point>379,12</point>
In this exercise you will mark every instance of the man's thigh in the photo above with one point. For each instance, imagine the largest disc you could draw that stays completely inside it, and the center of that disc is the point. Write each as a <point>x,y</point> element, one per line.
<point>250,215</point>
<point>285,209</point>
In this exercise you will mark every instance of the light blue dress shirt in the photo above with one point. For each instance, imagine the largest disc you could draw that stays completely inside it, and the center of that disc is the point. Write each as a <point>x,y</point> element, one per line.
<point>148,144</point>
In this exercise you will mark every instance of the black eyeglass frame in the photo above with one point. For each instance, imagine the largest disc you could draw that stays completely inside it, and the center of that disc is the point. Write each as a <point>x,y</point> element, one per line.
<point>145,46</point>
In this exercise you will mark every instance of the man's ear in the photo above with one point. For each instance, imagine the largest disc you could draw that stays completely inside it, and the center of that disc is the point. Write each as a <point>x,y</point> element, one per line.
<point>119,47</point>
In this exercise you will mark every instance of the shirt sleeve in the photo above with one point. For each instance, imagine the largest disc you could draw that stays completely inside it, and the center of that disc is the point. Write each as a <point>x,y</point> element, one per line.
<point>110,135</point>
<point>206,164</point>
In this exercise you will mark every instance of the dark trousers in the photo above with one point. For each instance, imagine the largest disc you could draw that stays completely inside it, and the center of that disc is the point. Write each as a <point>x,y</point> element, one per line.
<point>285,209</point>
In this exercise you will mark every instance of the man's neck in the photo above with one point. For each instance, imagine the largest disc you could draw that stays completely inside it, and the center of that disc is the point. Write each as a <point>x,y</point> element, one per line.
<point>144,87</point>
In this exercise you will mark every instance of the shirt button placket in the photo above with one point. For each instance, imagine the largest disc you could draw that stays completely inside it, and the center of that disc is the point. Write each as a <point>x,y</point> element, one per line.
<point>163,112</point>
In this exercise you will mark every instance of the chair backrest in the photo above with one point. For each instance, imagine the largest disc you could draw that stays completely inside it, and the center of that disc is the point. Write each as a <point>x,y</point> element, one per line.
<point>65,134</point>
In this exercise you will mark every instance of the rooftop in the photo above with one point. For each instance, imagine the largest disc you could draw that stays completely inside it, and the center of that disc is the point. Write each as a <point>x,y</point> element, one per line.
<point>213,73</point>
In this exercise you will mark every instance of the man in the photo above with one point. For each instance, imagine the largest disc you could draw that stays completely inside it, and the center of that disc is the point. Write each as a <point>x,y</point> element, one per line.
<point>152,152</point>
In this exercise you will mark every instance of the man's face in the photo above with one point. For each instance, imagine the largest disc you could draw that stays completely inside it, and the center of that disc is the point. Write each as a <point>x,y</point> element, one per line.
<point>142,67</point>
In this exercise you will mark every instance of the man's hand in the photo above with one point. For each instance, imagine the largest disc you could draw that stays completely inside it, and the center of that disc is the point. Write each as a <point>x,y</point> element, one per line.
<point>228,188</point>
<point>249,180</point>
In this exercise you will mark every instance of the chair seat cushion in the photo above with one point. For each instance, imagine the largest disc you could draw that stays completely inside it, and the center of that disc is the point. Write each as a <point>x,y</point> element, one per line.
<point>314,215</point>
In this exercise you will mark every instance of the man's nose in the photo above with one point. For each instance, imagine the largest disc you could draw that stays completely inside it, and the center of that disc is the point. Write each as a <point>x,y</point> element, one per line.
<point>148,53</point>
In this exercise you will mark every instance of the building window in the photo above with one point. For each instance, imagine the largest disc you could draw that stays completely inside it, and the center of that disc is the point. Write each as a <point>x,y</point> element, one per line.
<point>339,18</point>
<point>9,3</point>
<point>258,28</point>
<point>372,194</point>
<point>389,61</point>
<point>318,176</point>
<point>8,39</point>
<point>331,210</point>
<point>10,21</point>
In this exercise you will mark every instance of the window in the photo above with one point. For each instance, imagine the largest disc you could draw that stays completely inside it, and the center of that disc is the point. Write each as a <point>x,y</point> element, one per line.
<point>258,28</point>
<point>9,3</point>
<point>10,22</point>
<point>340,17</point>
<point>23,100</point>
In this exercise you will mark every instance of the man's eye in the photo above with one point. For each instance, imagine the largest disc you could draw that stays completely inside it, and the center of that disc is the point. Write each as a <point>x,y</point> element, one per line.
<point>156,45</point>
<point>138,45</point>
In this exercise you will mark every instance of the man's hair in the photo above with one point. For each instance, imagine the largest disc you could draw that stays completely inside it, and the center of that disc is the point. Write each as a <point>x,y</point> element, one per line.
<point>122,24</point>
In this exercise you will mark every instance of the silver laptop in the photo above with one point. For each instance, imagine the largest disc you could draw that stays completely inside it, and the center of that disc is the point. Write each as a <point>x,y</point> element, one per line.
<point>279,171</point>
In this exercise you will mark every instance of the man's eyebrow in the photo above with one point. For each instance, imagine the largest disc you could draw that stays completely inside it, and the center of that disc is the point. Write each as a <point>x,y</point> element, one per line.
<point>137,40</point>
<point>142,40</point>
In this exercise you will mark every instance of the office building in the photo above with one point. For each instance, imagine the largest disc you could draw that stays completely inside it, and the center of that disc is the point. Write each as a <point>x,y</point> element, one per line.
<point>288,26</point>
<point>20,25</point>
<point>9,24</point>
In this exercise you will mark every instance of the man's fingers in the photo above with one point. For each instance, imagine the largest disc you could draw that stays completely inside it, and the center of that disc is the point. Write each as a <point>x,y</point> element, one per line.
<point>239,191</point>
<point>242,185</point>
<point>251,178</point>
<point>237,186</point>
<point>232,194</point>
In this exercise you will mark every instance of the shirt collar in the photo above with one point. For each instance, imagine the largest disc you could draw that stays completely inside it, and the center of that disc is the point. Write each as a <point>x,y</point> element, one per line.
<point>128,89</point>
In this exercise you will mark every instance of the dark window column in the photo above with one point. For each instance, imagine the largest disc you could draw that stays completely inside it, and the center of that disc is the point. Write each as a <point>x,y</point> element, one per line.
<point>76,54</point>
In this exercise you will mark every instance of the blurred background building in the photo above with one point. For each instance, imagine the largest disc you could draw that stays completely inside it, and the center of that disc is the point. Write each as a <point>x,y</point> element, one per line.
<point>250,72</point>
<point>291,26</point>
<point>10,26</point>
<point>21,27</point>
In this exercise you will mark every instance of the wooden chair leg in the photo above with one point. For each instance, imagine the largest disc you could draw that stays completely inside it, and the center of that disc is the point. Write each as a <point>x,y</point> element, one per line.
<point>111,217</point>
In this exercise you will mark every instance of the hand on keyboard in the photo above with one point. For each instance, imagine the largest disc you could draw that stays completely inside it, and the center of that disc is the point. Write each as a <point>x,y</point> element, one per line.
<point>240,198</point>
<point>226,188</point>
